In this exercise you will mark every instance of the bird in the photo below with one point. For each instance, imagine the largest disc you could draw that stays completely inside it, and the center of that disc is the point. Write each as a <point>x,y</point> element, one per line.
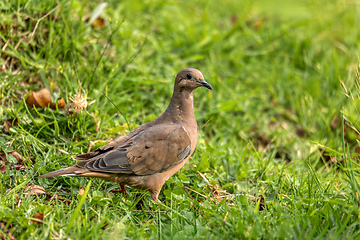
<point>150,154</point>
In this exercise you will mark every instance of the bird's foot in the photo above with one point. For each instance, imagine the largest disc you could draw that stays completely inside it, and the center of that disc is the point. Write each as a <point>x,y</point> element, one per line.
<point>156,200</point>
<point>122,189</point>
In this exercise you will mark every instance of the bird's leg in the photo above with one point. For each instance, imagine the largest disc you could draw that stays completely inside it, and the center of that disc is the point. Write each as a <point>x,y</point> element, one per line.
<point>123,189</point>
<point>156,199</point>
<point>154,196</point>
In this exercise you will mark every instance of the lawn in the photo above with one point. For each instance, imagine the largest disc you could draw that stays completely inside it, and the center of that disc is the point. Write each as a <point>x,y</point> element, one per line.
<point>278,151</point>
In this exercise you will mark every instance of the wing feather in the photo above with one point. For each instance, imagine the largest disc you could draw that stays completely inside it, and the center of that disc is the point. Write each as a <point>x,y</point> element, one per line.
<point>152,150</point>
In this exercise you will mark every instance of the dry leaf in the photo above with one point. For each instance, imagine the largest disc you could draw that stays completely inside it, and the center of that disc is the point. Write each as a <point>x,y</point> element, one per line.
<point>99,22</point>
<point>19,165</point>
<point>35,190</point>
<point>18,157</point>
<point>39,216</point>
<point>81,191</point>
<point>10,123</point>
<point>42,99</point>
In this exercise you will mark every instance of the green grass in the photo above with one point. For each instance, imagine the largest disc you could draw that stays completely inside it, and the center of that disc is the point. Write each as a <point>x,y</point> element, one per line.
<point>266,131</point>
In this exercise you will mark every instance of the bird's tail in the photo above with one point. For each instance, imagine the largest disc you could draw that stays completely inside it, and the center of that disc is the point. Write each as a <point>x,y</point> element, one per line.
<point>70,171</point>
<point>75,171</point>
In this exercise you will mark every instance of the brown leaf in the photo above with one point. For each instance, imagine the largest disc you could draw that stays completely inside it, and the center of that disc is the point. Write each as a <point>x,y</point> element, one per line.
<point>42,99</point>
<point>2,168</point>
<point>61,104</point>
<point>39,216</point>
<point>18,157</point>
<point>10,123</point>
<point>81,191</point>
<point>99,22</point>
<point>4,161</point>
<point>35,190</point>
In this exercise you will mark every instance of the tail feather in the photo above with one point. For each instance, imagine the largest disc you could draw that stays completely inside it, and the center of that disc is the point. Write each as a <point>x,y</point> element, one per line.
<point>77,172</point>
<point>70,171</point>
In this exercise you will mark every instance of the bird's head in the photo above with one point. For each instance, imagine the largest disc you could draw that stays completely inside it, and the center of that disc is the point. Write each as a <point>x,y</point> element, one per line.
<point>190,79</point>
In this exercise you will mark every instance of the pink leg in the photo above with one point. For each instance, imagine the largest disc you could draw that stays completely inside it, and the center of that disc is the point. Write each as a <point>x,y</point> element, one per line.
<point>122,189</point>
<point>155,198</point>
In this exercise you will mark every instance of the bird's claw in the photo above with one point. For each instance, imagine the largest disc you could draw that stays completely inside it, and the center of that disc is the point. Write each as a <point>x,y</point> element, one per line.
<point>156,200</point>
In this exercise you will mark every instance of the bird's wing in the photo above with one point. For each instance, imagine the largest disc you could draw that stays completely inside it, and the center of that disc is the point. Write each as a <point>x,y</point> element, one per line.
<point>112,145</point>
<point>152,150</point>
<point>106,148</point>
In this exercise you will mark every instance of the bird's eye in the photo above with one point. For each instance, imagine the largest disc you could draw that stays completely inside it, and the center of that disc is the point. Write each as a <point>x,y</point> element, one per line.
<point>189,76</point>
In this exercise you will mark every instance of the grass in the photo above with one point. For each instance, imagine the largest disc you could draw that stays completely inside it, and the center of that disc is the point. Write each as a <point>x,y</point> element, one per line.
<point>279,132</point>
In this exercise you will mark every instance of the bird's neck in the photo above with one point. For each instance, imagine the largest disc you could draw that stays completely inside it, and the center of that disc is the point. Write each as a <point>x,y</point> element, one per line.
<point>181,107</point>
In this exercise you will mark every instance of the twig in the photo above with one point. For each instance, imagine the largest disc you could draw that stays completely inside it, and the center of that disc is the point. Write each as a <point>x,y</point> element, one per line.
<point>225,217</point>
<point>39,20</point>
<point>63,151</point>
<point>193,203</point>
<point>18,44</point>
<point>4,47</point>
<point>185,187</point>
<point>203,177</point>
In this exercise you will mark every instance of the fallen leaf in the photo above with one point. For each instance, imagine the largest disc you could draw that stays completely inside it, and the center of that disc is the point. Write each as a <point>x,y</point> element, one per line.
<point>81,191</point>
<point>2,169</point>
<point>18,157</point>
<point>34,190</point>
<point>42,99</point>
<point>97,12</point>
<point>4,161</point>
<point>99,22</point>
<point>12,122</point>
<point>61,104</point>
<point>37,218</point>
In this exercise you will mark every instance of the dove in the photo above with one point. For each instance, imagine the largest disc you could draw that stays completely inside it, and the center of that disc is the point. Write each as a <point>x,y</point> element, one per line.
<point>150,154</point>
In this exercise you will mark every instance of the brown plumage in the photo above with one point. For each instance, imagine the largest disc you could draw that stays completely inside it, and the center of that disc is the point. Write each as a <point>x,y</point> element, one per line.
<point>153,152</point>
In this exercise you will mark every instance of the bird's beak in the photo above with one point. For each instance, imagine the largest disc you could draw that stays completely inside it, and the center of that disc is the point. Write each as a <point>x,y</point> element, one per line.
<point>203,83</point>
